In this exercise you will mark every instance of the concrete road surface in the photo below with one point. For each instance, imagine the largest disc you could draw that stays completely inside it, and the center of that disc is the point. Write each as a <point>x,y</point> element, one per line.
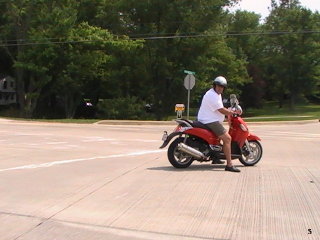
<point>90,182</point>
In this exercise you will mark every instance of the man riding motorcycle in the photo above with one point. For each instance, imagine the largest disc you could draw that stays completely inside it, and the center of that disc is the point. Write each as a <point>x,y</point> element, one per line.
<point>212,114</point>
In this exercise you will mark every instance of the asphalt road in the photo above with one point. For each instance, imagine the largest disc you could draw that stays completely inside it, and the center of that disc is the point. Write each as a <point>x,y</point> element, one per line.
<point>89,182</point>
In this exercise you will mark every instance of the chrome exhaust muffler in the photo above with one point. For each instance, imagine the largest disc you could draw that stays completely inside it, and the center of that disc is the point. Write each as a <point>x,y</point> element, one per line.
<point>191,151</point>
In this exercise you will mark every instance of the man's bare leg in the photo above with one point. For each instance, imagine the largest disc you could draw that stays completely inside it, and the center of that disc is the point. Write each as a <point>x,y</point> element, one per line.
<point>226,138</point>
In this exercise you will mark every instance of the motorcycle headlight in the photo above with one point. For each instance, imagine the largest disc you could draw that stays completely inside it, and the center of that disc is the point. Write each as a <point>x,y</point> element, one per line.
<point>243,127</point>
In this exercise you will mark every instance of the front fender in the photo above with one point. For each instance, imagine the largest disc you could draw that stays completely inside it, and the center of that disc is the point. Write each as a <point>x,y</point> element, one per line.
<point>253,137</point>
<point>171,135</point>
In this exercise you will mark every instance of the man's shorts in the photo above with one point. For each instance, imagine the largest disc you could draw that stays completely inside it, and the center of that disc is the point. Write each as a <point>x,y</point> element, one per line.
<point>217,128</point>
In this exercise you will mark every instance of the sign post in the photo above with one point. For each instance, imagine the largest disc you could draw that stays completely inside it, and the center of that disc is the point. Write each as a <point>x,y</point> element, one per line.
<point>189,82</point>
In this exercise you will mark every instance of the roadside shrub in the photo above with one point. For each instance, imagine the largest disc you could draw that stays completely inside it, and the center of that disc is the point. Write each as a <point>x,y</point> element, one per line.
<point>130,108</point>
<point>9,110</point>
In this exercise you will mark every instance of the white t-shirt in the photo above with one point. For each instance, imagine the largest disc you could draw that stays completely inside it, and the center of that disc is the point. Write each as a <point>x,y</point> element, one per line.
<point>210,104</point>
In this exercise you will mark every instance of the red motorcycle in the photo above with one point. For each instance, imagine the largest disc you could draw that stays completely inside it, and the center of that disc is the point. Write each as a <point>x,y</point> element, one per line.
<point>194,141</point>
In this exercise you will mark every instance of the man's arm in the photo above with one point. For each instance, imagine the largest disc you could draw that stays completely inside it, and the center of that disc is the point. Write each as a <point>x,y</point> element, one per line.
<point>225,111</point>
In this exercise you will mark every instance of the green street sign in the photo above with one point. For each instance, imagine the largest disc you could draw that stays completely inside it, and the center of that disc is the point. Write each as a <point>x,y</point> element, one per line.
<point>189,72</point>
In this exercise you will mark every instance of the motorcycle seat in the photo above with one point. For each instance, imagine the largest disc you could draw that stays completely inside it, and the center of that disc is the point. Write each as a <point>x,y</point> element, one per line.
<point>198,124</point>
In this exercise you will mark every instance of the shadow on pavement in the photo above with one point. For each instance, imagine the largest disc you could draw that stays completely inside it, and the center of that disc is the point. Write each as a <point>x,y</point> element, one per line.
<point>208,167</point>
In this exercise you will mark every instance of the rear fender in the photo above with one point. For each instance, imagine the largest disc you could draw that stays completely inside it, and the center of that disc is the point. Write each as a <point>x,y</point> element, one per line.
<point>171,135</point>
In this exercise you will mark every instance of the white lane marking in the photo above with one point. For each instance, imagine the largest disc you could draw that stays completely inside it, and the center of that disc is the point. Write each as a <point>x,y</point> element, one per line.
<point>66,147</point>
<point>98,139</point>
<point>289,138</point>
<point>293,135</point>
<point>296,133</point>
<point>32,134</point>
<point>50,164</point>
<point>53,143</point>
<point>101,139</point>
<point>142,140</point>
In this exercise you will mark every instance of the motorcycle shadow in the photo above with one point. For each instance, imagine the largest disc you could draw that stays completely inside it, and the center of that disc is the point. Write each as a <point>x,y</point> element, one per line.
<point>196,167</point>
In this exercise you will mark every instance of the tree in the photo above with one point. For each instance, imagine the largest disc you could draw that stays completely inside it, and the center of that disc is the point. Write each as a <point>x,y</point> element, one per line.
<point>248,45</point>
<point>219,60</point>
<point>292,54</point>
<point>167,54</point>
<point>35,26</point>
<point>85,62</point>
<point>55,54</point>
<point>63,51</point>
<point>5,58</point>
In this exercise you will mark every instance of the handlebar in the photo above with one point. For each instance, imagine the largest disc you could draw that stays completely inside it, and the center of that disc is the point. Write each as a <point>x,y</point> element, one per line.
<point>237,109</point>
<point>235,104</point>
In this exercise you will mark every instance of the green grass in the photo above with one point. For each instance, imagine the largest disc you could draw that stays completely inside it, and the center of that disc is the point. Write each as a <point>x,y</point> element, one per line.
<point>279,118</point>
<point>271,112</point>
<point>69,120</point>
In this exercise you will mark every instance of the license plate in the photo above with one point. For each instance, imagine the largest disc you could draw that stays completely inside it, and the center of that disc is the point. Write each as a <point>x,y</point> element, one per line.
<point>164,136</point>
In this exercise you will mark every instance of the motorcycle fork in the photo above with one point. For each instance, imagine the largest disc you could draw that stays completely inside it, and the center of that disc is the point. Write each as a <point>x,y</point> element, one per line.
<point>248,148</point>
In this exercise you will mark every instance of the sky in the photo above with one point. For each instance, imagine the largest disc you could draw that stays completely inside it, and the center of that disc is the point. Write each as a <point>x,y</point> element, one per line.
<point>261,6</point>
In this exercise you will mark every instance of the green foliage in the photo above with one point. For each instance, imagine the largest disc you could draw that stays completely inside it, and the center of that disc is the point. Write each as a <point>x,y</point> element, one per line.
<point>63,56</point>
<point>165,59</point>
<point>61,52</point>
<point>121,108</point>
<point>248,46</point>
<point>292,59</point>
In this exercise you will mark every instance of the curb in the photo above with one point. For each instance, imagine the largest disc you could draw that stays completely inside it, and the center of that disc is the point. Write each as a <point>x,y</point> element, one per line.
<point>164,123</point>
<point>172,122</point>
<point>285,122</point>
<point>135,122</point>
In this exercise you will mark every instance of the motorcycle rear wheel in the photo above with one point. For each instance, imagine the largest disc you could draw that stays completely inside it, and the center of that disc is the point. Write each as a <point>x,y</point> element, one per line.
<point>177,158</point>
<point>248,160</point>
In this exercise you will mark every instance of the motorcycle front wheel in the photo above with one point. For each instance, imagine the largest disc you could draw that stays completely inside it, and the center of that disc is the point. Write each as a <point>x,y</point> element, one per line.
<point>177,158</point>
<point>248,159</point>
